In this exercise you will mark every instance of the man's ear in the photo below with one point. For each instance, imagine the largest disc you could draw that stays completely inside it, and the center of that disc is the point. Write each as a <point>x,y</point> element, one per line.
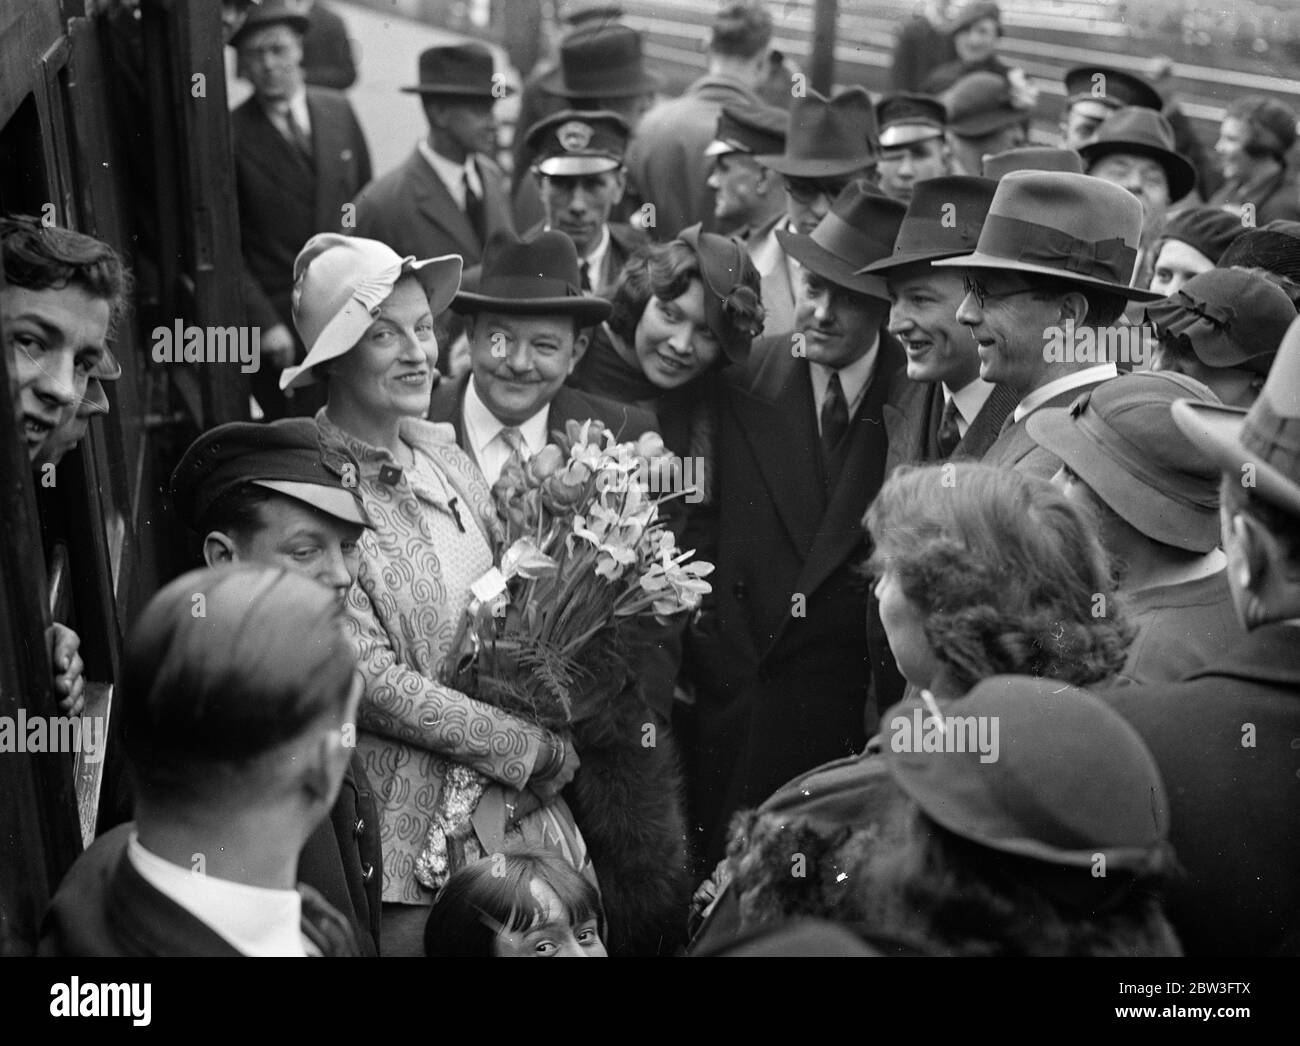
<point>766,181</point>
<point>620,179</point>
<point>219,548</point>
<point>580,344</point>
<point>1074,306</point>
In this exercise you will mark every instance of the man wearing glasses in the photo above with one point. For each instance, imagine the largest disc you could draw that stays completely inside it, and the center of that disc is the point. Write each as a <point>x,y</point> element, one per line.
<point>832,141</point>
<point>1047,282</point>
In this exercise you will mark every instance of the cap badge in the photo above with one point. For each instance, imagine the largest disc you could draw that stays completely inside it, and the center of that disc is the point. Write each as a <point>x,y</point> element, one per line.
<point>574,135</point>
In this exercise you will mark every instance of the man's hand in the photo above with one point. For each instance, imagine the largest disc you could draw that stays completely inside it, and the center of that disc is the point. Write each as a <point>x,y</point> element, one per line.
<point>69,683</point>
<point>553,786</point>
<point>277,346</point>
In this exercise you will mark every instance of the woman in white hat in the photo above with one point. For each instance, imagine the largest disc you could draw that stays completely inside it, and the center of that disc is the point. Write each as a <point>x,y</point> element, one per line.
<point>366,316</point>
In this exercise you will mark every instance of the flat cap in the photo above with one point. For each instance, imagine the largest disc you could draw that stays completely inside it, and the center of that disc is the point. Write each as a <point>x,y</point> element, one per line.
<point>758,129</point>
<point>284,456</point>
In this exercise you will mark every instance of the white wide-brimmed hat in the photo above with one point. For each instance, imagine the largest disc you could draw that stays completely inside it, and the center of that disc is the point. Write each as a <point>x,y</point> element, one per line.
<point>339,282</point>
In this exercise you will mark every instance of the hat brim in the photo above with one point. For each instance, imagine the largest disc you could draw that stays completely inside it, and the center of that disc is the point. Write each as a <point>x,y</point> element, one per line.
<point>440,278</point>
<point>1215,430</point>
<point>1134,500</point>
<point>800,167</point>
<point>817,259</point>
<point>460,90</point>
<point>645,83</point>
<point>572,166</point>
<point>587,311</point>
<point>898,135</point>
<point>333,501</point>
<point>719,147</point>
<point>897,261</point>
<point>1179,172</point>
<point>978,260</point>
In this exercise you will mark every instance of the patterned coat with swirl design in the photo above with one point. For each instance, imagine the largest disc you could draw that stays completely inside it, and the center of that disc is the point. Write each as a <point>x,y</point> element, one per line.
<point>432,540</point>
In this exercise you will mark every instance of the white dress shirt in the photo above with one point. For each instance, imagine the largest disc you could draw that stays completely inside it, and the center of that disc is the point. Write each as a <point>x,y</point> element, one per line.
<point>255,920</point>
<point>298,106</point>
<point>1076,380</point>
<point>453,175</point>
<point>483,434</point>
<point>970,400</point>
<point>854,381</point>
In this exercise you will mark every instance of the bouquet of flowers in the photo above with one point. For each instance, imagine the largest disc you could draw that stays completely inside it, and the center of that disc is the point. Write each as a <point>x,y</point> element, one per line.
<point>585,554</point>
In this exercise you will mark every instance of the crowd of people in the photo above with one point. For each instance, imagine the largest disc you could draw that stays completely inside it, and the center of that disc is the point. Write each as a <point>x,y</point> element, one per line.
<point>994,448</point>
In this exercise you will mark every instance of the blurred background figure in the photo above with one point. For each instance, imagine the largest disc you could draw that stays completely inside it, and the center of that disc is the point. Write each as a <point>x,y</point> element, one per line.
<point>1093,93</point>
<point>326,50</point>
<point>985,117</point>
<point>1254,139</point>
<point>974,30</point>
<point>747,197</point>
<point>912,143</point>
<point>667,158</point>
<point>922,45</point>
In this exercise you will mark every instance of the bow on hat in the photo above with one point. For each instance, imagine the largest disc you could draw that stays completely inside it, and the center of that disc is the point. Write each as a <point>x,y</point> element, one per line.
<point>1044,245</point>
<point>1220,315</point>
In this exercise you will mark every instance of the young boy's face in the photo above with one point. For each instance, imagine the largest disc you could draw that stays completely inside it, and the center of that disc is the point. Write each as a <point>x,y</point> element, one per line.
<point>552,936</point>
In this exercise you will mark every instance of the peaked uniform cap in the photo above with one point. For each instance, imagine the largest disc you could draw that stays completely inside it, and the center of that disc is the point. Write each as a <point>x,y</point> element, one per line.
<point>1113,88</point>
<point>749,129</point>
<point>907,118</point>
<point>573,142</point>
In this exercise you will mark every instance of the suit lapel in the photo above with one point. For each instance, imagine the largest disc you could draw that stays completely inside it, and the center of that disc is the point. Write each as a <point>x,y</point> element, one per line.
<point>446,406</point>
<point>265,148</point>
<point>840,529</point>
<point>435,205</point>
<point>987,424</point>
<point>775,416</point>
<point>328,144</point>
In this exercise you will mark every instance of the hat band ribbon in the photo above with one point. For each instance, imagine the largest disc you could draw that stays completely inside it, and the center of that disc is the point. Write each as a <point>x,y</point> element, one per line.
<point>1274,438</point>
<point>1130,459</point>
<point>1013,239</point>
<point>526,287</point>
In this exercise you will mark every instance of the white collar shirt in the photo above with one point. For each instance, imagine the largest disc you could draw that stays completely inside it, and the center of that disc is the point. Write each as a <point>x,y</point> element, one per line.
<point>296,105</point>
<point>854,381</point>
<point>970,400</point>
<point>452,174</point>
<point>483,434</point>
<point>1075,380</point>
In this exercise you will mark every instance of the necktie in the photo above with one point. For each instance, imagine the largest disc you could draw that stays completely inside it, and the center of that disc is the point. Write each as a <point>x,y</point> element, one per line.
<point>514,439</point>
<point>949,434</point>
<point>299,137</point>
<point>474,209</point>
<point>584,272</point>
<point>835,415</point>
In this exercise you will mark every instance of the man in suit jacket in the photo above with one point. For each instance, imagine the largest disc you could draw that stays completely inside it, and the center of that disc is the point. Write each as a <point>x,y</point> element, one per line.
<point>238,735</point>
<point>581,177</point>
<point>785,676</point>
<point>668,160</point>
<point>941,408</point>
<point>1224,737</point>
<point>260,493</point>
<point>831,142</point>
<point>1047,282</point>
<point>448,196</point>
<point>300,157</point>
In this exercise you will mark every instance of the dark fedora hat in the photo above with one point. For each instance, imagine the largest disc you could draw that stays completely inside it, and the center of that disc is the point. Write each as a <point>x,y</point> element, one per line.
<point>907,118</point>
<point>532,277</point>
<point>1071,778</point>
<point>1070,226</point>
<point>463,70</point>
<point>1113,88</point>
<point>981,103</point>
<point>859,229</point>
<point>943,220</point>
<point>271,12</point>
<point>1032,158</point>
<point>1266,437</point>
<point>284,456</point>
<point>1230,318</point>
<point>600,61</point>
<point>1120,439</point>
<point>828,136</point>
<point>1135,131</point>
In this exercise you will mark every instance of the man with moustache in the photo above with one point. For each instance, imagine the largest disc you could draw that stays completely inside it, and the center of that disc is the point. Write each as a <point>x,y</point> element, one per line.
<point>831,142</point>
<point>942,408</point>
<point>788,679</point>
<point>1052,264</point>
<point>746,195</point>
<point>263,494</point>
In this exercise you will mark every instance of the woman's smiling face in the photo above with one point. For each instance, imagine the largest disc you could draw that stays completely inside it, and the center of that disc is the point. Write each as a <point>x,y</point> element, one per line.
<point>674,344</point>
<point>389,372</point>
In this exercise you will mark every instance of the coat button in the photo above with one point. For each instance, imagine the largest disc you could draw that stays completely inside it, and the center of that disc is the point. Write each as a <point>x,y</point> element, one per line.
<point>359,827</point>
<point>739,590</point>
<point>367,872</point>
